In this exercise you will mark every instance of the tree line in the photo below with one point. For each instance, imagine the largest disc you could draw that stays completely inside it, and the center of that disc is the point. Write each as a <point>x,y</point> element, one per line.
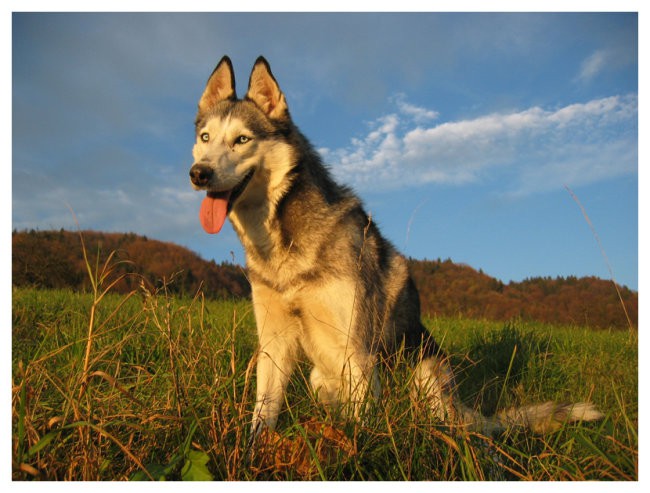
<point>447,288</point>
<point>54,259</point>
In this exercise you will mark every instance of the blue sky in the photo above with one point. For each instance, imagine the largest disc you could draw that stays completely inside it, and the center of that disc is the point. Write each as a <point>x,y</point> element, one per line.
<point>459,131</point>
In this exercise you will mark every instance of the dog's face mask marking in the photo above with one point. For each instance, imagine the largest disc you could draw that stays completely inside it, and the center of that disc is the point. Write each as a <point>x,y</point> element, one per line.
<point>225,160</point>
<point>238,160</point>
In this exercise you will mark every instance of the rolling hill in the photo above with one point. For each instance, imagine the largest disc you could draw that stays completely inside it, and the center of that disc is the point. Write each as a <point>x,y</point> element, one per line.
<point>54,259</point>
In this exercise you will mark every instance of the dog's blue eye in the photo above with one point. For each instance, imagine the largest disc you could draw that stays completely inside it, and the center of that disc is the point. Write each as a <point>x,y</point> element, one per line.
<point>242,139</point>
<point>205,136</point>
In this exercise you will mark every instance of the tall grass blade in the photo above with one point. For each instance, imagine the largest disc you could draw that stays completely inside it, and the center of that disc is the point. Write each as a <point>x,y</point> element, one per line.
<point>607,262</point>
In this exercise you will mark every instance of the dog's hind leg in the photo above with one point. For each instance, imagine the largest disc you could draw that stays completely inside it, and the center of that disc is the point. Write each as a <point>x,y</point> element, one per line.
<point>433,385</point>
<point>349,386</point>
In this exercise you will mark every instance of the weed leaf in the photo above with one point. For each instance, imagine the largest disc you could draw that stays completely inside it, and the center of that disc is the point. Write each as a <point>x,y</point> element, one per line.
<point>195,468</point>
<point>157,471</point>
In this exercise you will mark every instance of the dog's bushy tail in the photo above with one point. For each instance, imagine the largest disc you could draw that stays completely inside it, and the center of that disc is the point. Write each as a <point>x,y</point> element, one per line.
<point>538,418</point>
<point>434,380</point>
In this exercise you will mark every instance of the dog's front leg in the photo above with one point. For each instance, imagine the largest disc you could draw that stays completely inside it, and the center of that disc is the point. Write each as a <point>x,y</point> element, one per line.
<point>273,371</point>
<point>277,331</point>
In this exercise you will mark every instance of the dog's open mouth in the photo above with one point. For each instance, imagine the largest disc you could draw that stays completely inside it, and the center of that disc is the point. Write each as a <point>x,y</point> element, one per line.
<point>216,205</point>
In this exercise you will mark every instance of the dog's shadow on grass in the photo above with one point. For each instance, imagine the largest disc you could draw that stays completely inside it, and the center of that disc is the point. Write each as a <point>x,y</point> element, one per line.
<point>489,374</point>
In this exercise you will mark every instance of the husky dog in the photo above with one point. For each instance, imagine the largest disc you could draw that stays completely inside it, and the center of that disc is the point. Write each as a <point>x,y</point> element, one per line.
<point>325,282</point>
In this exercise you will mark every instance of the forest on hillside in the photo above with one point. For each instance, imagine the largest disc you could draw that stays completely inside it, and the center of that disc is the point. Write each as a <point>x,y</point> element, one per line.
<point>54,259</point>
<point>448,289</point>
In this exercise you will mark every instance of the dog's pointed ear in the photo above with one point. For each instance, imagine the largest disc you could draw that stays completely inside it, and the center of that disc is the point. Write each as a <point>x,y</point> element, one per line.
<point>265,92</point>
<point>220,86</point>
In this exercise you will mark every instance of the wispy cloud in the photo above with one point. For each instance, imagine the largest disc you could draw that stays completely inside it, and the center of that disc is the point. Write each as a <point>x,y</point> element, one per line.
<point>593,65</point>
<point>418,114</point>
<point>540,148</point>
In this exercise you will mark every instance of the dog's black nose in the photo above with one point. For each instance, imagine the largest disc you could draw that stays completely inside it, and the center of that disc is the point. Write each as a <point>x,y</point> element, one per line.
<point>200,175</point>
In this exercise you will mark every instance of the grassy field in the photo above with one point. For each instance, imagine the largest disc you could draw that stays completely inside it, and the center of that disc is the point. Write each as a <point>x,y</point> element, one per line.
<point>147,386</point>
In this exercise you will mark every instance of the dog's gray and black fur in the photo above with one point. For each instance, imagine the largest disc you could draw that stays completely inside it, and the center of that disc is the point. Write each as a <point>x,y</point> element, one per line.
<point>325,282</point>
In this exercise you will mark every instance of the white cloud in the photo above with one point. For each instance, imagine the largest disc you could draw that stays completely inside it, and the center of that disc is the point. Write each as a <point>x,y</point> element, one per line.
<point>576,144</point>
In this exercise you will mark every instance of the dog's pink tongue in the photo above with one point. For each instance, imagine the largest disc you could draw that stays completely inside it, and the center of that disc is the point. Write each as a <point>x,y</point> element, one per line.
<point>213,213</point>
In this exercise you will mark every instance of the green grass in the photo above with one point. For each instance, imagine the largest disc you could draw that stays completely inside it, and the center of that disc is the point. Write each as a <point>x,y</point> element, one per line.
<point>148,386</point>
